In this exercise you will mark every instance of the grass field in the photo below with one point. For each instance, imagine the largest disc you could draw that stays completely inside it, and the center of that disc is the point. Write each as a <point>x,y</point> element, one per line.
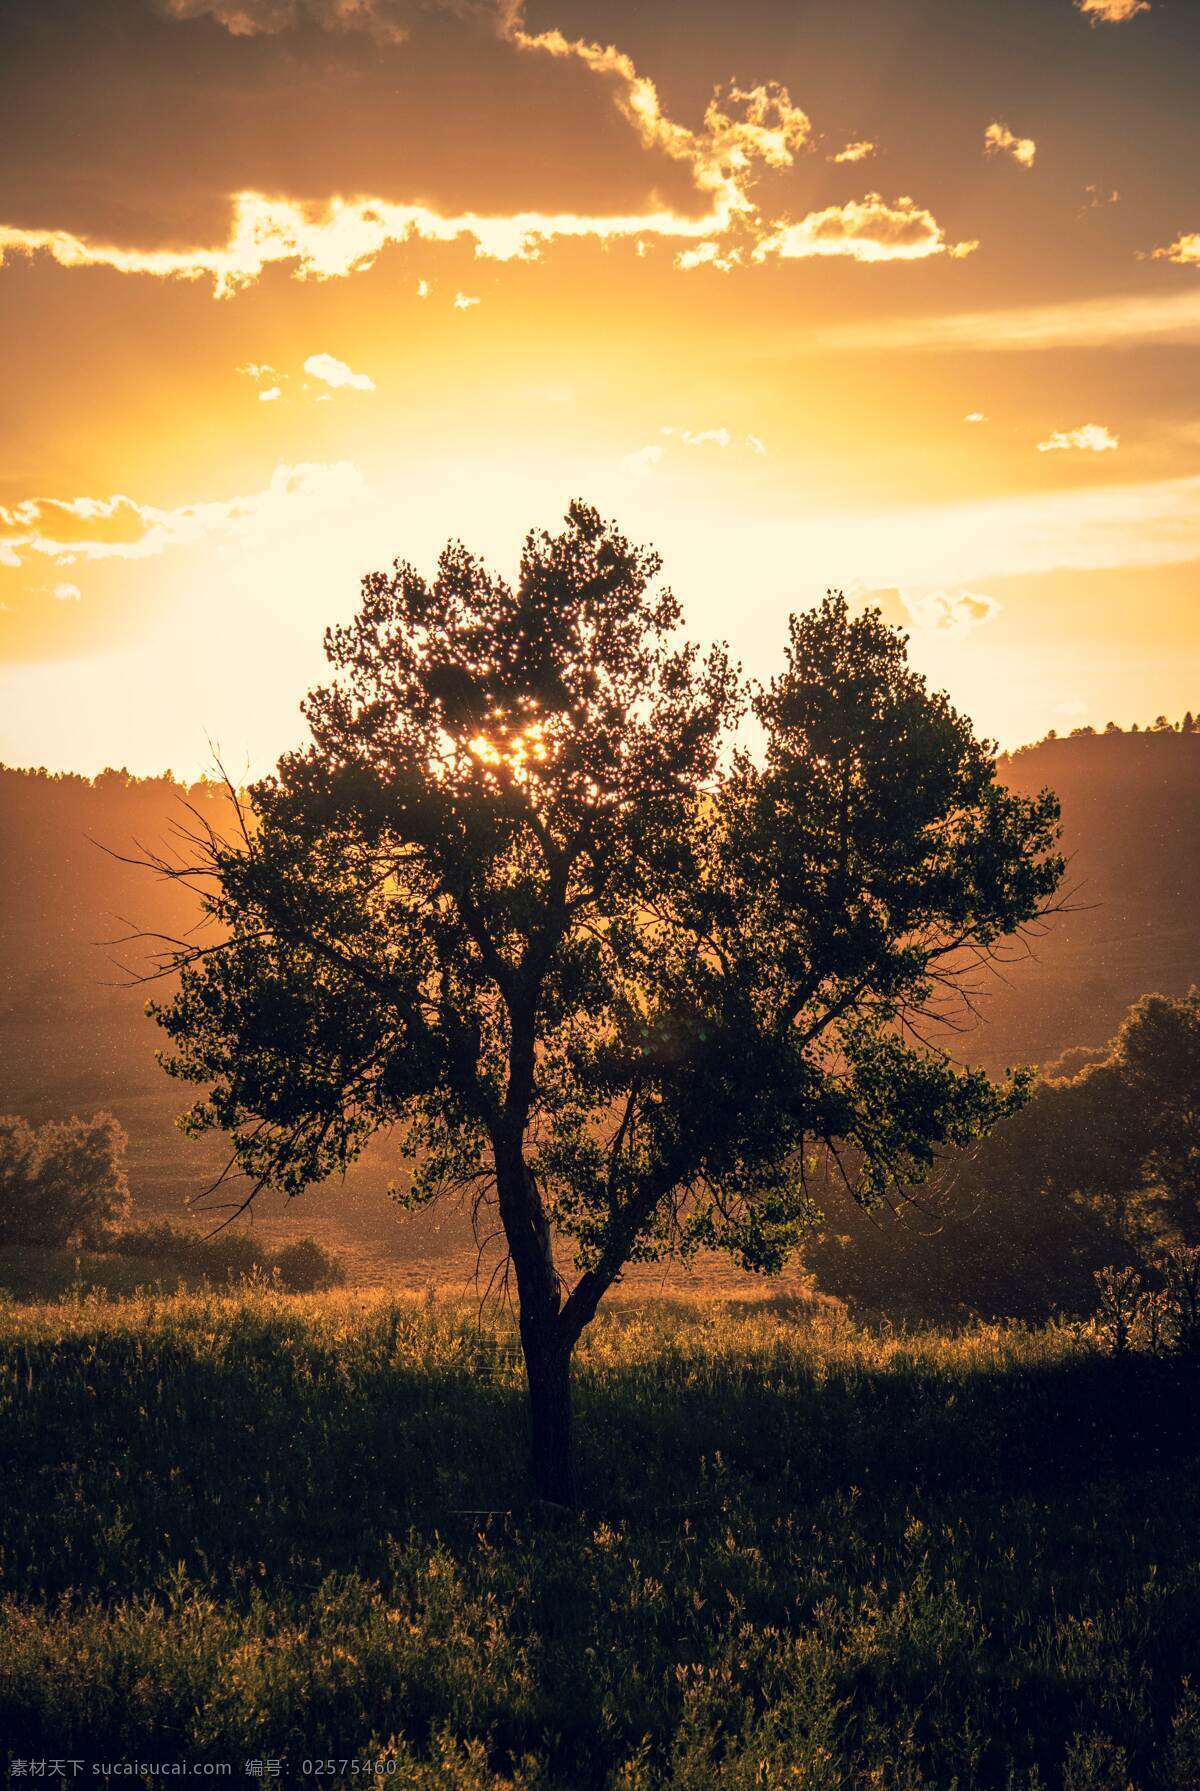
<point>259,1526</point>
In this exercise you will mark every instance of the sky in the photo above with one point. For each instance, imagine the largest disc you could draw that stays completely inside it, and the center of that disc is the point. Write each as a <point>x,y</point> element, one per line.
<point>900,297</point>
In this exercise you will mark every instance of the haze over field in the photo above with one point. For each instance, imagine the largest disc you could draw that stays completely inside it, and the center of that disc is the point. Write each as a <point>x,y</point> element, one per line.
<point>903,302</point>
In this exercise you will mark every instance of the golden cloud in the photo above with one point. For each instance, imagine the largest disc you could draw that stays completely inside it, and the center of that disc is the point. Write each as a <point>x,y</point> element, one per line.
<point>388,21</point>
<point>865,230</point>
<point>1112,12</point>
<point>930,612</point>
<point>744,133</point>
<point>1184,251</point>
<point>999,140</point>
<point>1083,323</point>
<point>118,527</point>
<point>855,152</point>
<point>1089,438</point>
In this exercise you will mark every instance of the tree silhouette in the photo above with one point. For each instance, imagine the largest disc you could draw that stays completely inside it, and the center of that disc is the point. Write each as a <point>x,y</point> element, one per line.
<point>524,896</point>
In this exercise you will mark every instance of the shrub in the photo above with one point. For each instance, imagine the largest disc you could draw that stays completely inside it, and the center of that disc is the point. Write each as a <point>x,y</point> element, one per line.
<point>304,1267</point>
<point>65,1183</point>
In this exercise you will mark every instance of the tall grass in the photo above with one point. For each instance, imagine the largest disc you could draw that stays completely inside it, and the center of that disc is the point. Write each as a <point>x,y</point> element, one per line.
<point>255,1525</point>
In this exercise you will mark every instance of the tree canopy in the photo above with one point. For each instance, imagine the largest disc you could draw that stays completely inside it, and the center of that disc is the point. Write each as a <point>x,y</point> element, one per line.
<point>63,1183</point>
<point>612,934</point>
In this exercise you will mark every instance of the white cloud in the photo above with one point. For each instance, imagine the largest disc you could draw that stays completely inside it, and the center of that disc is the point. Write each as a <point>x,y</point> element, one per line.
<point>1112,12</point>
<point>999,140</point>
<point>118,527</point>
<point>1090,438</point>
<point>422,288</point>
<point>270,395</point>
<point>336,374</point>
<point>975,416</point>
<point>67,593</point>
<point>756,445</point>
<point>463,301</point>
<point>866,229</point>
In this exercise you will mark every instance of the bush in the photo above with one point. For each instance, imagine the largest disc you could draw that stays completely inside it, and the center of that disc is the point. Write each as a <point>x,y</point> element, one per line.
<point>1158,1311</point>
<point>302,1267</point>
<point>63,1184</point>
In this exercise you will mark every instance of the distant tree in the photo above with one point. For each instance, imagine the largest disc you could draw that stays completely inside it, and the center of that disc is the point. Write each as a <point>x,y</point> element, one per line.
<point>64,1183</point>
<point>1101,1167</point>
<point>1156,1056</point>
<point>1110,727</point>
<point>524,896</point>
<point>1188,724</point>
<point>1124,1130</point>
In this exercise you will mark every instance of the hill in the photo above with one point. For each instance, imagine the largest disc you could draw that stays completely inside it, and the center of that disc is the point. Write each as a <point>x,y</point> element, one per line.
<point>74,1037</point>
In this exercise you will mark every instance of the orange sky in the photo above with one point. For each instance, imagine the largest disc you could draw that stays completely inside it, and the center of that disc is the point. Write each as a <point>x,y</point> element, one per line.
<point>899,297</point>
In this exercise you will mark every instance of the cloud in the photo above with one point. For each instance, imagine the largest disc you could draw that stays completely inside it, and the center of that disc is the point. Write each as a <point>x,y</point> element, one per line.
<point>1184,251</point>
<point>855,152</point>
<point>118,527</point>
<point>1091,438</point>
<point>975,416</point>
<point>463,301</point>
<point>931,612</point>
<point>706,255</point>
<point>1112,12</point>
<point>388,21</point>
<point>866,230</point>
<point>643,460</point>
<point>65,593</point>
<point>745,133</point>
<point>717,438</point>
<point>270,394</point>
<point>696,438</point>
<point>1083,323</point>
<point>1097,197</point>
<point>1092,528</point>
<point>337,374</point>
<point>999,140</point>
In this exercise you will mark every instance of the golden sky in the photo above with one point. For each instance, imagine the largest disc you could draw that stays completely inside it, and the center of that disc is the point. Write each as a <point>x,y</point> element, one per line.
<point>897,296</point>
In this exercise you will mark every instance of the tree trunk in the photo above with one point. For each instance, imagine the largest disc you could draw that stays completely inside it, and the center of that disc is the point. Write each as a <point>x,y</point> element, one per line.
<point>544,1341</point>
<point>548,1369</point>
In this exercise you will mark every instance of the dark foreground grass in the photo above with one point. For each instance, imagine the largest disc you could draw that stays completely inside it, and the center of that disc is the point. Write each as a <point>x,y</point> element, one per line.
<point>253,1526</point>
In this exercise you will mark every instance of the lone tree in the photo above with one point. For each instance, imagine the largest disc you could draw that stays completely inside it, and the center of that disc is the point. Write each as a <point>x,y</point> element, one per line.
<point>524,897</point>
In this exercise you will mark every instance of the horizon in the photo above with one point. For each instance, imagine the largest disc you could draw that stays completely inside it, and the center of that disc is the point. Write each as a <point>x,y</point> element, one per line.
<point>213,775</point>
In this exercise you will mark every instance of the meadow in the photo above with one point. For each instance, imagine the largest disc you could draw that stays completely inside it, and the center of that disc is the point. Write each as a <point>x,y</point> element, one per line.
<point>252,1525</point>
